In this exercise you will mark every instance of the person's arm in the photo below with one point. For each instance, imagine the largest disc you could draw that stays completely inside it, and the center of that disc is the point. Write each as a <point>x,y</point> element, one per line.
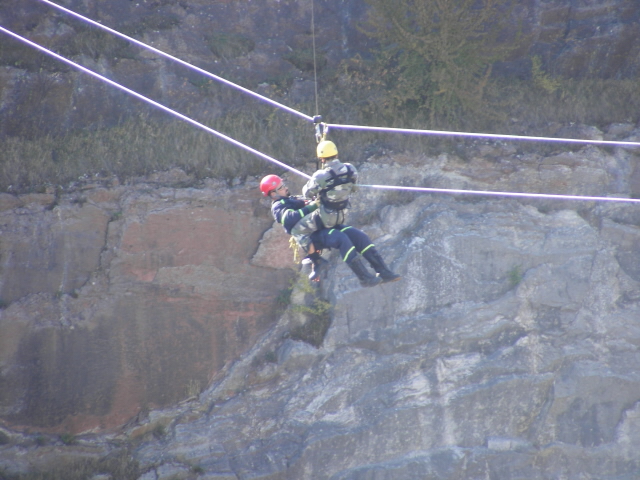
<point>354,173</point>
<point>310,189</point>
<point>354,177</point>
<point>289,213</point>
<point>315,184</point>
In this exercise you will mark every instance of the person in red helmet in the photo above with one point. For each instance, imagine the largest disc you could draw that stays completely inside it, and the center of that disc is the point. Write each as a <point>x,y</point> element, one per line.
<point>288,210</point>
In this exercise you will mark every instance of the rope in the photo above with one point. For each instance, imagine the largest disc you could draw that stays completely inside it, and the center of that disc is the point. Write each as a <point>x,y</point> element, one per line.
<point>293,245</point>
<point>154,103</point>
<point>505,194</point>
<point>313,40</point>
<point>344,127</point>
<point>298,172</point>
<point>485,135</point>
<point>182,62</point>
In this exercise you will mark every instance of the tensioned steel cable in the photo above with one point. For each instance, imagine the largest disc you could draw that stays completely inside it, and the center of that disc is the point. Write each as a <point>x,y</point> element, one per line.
<point>292,169</point>
<point>153,102</point>
<point>341,126</point>
<point>315,67</point>
<point>175,59</point>
<point>287,167</point>
<point>493,136</point>
<point>505,194</point>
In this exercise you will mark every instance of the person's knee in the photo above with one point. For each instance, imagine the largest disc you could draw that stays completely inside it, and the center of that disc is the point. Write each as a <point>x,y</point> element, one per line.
<point>358,237</point>
<point>342,242</point>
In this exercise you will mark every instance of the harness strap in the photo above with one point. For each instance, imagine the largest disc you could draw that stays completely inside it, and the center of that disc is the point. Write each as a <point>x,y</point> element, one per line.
<point>335,181</point>
<point>296,251</point>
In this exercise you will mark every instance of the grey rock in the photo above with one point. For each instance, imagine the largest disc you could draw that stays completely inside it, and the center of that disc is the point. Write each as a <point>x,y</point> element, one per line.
<point>508,350</point>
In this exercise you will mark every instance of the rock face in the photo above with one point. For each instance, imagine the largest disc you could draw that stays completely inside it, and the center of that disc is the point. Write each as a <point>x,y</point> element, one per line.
<point>508,350</point>
<point>118,300</point>
<point>586,38</point>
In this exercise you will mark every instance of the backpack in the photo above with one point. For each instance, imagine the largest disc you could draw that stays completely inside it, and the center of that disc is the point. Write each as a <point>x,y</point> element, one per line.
<point>335,194</point>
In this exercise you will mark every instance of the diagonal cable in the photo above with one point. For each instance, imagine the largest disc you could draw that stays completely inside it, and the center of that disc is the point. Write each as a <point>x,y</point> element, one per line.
<point>175,59</point>
<point>339,126</point>
<point>153,102</point>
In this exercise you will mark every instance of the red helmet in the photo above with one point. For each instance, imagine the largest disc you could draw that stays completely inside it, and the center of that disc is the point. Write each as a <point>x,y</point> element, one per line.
<point>269,183</point>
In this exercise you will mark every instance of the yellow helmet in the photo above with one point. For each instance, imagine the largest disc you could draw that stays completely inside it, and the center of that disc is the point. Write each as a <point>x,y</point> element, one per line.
<point>326,149</point>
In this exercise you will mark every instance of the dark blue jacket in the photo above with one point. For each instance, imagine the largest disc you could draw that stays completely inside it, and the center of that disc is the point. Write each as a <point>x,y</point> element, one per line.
<point>288,211</point>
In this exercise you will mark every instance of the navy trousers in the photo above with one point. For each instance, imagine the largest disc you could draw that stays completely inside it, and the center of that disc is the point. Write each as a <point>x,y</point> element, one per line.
<point>349,240</point>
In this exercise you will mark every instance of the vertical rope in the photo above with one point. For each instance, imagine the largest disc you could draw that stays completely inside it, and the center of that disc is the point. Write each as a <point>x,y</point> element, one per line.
<point>315,68</point>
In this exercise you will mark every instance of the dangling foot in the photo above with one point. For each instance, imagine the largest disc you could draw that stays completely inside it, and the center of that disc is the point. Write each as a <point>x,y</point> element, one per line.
<point>388,276</point>
<point>376,261</point>
<point>370,282</point>
<point>366,278</point>
<point>318,267</point>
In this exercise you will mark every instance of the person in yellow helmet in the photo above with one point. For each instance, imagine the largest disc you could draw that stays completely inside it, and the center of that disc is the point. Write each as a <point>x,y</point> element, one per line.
<point>331,187</point>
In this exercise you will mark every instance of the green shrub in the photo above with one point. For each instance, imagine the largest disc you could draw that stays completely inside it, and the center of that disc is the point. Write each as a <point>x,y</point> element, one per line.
<point>515,276</point>
<point>438,56</point>
<point>317,322</point>
<point>283,299</point>
<point>543,80</point>
<point>68,439</point>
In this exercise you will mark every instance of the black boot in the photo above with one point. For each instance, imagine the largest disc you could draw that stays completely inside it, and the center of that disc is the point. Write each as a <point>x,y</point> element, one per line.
<point>318,267</point>
<point>376,261</point>
<point>365,277</point>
